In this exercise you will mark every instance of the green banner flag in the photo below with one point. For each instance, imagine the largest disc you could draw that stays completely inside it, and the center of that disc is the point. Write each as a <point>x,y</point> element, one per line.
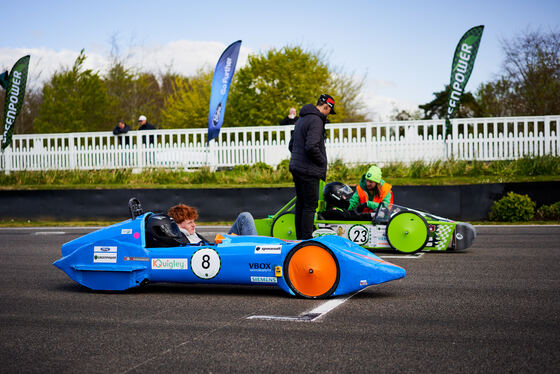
<point>14,84</point>
<point>461,69</point>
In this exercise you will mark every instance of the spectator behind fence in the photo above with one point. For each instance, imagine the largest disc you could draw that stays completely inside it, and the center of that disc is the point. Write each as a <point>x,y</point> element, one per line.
<point>144,125</point>
<point>122,128</point>
<point>291,118</point>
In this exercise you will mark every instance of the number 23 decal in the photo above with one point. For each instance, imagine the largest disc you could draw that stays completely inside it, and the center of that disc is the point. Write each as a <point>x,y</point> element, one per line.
<point>205,263</point>
<point>359,234</point>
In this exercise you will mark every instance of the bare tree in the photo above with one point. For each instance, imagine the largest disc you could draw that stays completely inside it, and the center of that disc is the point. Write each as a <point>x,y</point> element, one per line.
<point>530,80</point>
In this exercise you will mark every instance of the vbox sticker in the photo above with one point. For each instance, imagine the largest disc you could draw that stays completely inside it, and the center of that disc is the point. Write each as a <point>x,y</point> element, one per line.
<point>260,266</point>
<point>126,231</point>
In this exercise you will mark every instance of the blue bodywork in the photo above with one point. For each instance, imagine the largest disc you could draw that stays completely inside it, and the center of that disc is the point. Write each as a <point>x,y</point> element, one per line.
<point>116,258</point>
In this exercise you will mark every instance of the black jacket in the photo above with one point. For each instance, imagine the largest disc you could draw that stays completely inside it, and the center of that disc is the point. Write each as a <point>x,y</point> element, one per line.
<point>117,130</point>
<point>288,121</point>
<point>147,126</point>
<point>307,144</point>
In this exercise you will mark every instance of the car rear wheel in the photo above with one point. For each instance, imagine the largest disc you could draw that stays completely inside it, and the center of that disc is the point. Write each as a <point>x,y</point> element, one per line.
<point>311,270</point>
<point>284,226</point>
<point>407,232</point>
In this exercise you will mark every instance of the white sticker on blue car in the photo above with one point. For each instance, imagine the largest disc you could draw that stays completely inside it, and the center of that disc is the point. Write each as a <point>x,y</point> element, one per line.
<point>105,248</point>
<point>170,264</point>
<point>102,257</point>
<point>264,280</point>
<point>105,254</point>
<point>206,263</point>
<point>268,249</point>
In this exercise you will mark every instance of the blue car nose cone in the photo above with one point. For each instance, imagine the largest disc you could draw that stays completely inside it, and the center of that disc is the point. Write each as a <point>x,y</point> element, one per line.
<point>391,272</point>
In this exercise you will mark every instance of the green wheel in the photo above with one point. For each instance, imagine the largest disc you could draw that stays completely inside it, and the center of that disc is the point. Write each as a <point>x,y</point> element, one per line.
<point>407,232</point>
<point>284,226</point>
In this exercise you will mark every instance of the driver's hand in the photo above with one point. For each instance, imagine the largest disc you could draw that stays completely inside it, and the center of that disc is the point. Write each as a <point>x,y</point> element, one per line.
<point>360,208</point>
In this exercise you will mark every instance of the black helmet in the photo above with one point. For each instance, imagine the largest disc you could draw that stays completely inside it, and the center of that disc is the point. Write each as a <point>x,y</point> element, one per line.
<point>162,231</point>
<point>337,194</point>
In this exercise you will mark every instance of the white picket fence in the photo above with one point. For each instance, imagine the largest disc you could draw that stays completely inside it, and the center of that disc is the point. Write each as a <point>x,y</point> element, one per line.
<point>481,139</point>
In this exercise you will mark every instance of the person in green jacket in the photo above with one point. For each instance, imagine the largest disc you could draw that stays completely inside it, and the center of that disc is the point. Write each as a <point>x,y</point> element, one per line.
<point>371,191</point>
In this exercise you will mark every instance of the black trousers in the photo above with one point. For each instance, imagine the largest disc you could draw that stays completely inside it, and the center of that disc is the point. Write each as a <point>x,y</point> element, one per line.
<point>307,193</point>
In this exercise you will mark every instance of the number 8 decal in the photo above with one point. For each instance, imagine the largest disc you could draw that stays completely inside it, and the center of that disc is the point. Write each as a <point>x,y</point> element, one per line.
<point>205,263</point>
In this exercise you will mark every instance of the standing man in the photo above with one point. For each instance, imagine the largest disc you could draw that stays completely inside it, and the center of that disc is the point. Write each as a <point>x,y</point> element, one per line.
<point>144,125</point>
<point>308,163</point>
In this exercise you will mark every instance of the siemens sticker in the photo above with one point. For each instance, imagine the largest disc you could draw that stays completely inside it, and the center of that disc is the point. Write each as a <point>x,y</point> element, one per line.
<point>264,280</point>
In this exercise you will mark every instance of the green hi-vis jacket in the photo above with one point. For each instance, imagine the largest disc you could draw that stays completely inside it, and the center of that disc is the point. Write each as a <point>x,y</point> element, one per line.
<point>363,195</point>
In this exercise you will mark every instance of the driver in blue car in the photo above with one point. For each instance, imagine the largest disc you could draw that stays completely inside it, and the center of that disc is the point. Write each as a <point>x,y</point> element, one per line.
<point>371,191</point>
<point>185,217</point>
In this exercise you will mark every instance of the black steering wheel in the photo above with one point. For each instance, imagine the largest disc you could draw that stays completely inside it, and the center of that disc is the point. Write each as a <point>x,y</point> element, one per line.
<point>135,208</point>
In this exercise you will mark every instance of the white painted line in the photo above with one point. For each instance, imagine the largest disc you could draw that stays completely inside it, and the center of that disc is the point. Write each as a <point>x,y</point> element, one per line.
<point>416,255</point>
<point>277,318</point>
<point>49,233</point>
<point>329,305</point>
<point>313,315</point>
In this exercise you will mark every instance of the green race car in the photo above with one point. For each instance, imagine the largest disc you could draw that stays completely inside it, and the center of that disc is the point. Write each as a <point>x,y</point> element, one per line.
<point>395,227</point>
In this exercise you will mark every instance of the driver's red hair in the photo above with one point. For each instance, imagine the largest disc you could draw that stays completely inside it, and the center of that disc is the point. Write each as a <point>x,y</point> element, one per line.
<point>182,212</point>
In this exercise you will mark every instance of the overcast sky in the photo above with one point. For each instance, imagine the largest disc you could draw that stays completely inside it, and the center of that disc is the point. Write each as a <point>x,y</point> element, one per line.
<point>403,48</point>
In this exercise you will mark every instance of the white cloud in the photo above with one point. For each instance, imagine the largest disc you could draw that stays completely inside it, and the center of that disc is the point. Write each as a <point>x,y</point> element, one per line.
<point>182,56</point>
<point>380,106</point>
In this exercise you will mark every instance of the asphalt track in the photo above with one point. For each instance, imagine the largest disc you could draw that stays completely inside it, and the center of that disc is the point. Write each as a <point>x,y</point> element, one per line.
<point>493,308</point>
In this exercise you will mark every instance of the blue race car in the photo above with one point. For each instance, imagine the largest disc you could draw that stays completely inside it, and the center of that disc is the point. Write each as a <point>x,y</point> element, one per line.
<point>150,248</point>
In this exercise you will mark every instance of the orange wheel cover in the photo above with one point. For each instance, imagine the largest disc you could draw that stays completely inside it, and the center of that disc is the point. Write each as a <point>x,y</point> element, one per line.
<point>312,270</point>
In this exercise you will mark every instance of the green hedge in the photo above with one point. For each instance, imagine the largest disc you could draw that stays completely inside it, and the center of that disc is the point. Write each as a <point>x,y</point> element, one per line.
<point>549,212</point>
<point>418,172</point>
<point>513,208</point>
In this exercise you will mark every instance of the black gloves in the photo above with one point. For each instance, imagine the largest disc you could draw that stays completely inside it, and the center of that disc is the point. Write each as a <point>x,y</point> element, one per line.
<point>360,208</point>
